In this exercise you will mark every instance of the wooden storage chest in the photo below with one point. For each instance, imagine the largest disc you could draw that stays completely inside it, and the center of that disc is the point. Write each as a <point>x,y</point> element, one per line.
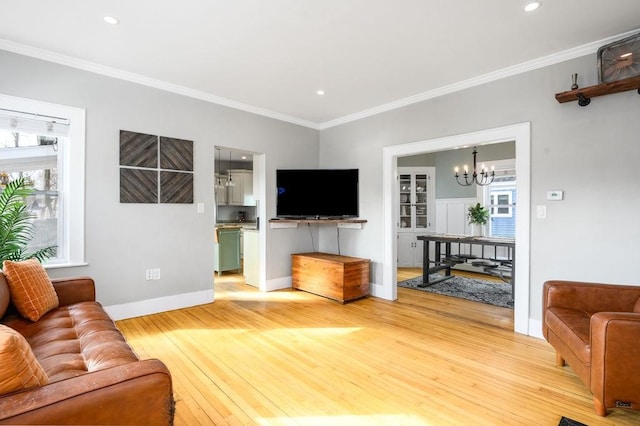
<point>341,278</point>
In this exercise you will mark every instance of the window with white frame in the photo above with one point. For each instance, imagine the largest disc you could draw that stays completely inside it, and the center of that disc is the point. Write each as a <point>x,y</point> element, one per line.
<point>500,197</point>
<point>44,144</point>
<point>501,203</point>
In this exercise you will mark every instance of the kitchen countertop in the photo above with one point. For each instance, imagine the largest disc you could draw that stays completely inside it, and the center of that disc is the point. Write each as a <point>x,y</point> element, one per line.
<point>243,225</point>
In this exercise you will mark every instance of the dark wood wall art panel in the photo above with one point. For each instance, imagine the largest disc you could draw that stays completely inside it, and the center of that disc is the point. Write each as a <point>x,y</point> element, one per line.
<point>176,187</point>
<point>138,186</point>
<point>138,149</point>
<point>176,154</point>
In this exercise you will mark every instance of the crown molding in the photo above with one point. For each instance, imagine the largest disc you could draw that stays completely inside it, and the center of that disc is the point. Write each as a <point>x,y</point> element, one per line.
<point>565,55</point>
<point>69,61</point>
<point>534,64</point>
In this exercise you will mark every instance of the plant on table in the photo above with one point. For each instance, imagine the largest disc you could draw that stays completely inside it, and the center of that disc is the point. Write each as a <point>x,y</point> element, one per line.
<point>477,215</point>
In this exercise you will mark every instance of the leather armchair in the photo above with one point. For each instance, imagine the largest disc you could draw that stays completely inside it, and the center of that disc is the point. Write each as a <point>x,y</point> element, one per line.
<point>595,328</point>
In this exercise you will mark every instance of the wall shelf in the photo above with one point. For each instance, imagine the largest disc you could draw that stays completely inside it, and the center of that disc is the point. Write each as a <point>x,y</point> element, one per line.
<point>584,95</point>
<point>293,223</point>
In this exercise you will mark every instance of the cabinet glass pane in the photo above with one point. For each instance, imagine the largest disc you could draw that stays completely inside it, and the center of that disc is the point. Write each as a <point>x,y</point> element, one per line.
<point>405,188</point>
<point>421,183</point>
<point>405,201</point>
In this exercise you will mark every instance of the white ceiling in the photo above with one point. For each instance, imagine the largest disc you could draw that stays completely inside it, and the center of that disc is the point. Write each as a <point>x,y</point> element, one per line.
<point>271,56</point>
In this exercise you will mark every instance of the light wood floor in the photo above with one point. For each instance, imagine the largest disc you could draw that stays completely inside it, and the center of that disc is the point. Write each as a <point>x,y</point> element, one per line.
<point>292,358</point>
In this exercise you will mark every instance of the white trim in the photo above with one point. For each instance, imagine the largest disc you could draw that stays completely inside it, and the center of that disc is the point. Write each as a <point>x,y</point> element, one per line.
<point>159,304</point>
<point>260,195</point>
<point>531,65</point>
<point>521,134</point>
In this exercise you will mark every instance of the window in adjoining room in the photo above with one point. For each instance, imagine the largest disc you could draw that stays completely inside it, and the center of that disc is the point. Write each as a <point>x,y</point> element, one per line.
<point>44,144</point>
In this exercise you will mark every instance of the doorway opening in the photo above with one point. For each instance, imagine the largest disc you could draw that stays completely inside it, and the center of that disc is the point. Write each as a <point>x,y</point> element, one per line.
<point>520,133</point>
<point>239,192</point>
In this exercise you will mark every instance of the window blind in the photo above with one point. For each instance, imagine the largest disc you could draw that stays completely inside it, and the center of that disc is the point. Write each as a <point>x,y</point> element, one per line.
<point>24,122</point>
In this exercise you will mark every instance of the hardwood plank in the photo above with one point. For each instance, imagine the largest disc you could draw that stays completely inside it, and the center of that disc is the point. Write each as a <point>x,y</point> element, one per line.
<point>291,357</point>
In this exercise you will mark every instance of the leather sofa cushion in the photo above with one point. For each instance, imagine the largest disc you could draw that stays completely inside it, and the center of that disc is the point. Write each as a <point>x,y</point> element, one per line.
<point>636,307</point>
<point>74,340</point>
<point>19,368</point>
<point>32,292</point>
<point>573,327</point>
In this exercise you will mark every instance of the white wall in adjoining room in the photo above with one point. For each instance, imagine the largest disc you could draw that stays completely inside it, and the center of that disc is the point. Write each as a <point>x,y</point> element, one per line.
<point>122,240</point>
<point>591,153</point>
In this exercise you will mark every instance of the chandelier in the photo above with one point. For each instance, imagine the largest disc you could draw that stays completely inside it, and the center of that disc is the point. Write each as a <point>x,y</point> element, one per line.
<point>483,178</point>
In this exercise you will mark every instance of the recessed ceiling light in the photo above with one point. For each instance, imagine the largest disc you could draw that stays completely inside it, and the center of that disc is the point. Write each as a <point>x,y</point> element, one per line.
<point>111,20</point>
<point>320,92</point>
<point>530,6</point>
<point>244,157</point>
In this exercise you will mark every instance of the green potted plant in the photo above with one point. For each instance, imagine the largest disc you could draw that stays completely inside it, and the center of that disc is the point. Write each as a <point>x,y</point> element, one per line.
<point>478,216</point>
<point>16,226</point>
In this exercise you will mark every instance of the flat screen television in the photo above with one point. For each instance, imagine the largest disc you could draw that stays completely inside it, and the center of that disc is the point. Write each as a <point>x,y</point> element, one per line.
<point>317,193</point>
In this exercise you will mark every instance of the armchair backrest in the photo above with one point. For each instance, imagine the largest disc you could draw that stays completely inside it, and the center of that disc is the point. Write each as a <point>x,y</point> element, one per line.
<point>590,297</point>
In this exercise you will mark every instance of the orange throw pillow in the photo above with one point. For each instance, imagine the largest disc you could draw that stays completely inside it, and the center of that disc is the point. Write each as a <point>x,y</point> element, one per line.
<point>32,292</point>
<point>19,368</point>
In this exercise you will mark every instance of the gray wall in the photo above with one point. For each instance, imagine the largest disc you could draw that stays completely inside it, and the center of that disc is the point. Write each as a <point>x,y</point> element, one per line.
<point>591,153</point>
<point>122,240</point>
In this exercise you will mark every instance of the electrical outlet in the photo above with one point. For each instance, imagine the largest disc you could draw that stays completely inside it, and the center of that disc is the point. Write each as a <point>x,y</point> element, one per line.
<point>148,275</point>
<point>156,273</point>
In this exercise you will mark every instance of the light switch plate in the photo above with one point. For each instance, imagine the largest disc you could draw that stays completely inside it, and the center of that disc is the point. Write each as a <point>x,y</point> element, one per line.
<point>200,207</point>
<point>541,212</point>
<point>555,195</point>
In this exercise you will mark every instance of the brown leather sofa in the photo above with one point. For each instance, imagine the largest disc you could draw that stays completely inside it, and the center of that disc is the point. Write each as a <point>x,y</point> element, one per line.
<point>93,375</point>
<point>595,328</point>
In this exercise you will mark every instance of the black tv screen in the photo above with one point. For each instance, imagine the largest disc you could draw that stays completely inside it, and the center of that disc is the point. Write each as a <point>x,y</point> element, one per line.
<point>317,193</point>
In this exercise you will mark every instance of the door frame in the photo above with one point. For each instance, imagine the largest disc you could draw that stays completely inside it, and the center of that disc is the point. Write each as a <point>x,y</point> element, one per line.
<point>521,134</point>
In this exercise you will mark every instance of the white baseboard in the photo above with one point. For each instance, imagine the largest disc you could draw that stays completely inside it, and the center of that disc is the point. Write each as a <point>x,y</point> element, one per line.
<point>377,290</point>
<point>535,328</point>
<point>278,284</point>
<point>160,304</point>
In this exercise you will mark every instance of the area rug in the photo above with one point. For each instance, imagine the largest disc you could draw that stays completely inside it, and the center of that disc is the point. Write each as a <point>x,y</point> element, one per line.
<point>489,292</point>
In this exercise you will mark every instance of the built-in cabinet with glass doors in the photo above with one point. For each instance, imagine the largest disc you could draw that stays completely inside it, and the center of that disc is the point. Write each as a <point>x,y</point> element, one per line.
<point>416,205</point>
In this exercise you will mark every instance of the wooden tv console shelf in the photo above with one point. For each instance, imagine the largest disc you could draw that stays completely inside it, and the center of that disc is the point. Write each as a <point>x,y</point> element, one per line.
<point>341,278</point>
<point>293,223</point>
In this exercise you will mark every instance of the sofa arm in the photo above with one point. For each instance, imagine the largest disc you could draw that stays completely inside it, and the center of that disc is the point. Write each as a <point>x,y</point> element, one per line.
<point>615,359</point>
<point>74,290</point>
<point>136,393</point>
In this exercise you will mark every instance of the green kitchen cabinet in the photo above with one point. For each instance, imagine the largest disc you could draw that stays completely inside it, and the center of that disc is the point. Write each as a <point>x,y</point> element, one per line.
<point>226,250</point>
